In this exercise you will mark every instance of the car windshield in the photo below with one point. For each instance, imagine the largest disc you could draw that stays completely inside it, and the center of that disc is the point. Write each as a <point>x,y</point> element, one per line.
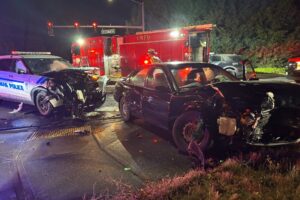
<point>42,65</point>
<point>231,58</point>
<point>225,58</point>
<point>193,75</point>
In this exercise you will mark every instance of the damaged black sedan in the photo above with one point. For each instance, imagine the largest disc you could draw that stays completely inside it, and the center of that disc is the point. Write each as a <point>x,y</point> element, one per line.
<point>49,83</point>
<point>203,103</point>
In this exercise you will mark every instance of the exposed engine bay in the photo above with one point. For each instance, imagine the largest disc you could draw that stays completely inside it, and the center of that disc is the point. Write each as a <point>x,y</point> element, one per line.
<point>273,121</point>
<point>75,90</point>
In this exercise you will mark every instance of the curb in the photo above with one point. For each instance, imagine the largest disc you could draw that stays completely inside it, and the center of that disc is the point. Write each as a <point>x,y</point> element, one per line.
<point>119,156</point>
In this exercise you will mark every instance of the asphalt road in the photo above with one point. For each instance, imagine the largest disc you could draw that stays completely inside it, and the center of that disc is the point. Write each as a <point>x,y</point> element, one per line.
<point>59,158</point>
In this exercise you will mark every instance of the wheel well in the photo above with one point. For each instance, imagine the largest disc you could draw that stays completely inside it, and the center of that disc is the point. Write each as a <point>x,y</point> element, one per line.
<point>35,92</point>
<point>173,118</point>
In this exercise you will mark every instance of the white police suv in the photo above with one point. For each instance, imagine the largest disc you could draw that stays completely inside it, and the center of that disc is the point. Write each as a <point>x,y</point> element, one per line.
<point>48,82</point>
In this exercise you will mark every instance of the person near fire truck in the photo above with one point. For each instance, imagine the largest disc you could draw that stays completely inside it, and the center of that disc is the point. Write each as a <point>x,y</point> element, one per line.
<point>152,55</point>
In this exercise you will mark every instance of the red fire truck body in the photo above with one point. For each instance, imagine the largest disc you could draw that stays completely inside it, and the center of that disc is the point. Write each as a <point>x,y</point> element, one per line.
<point>183,44</point>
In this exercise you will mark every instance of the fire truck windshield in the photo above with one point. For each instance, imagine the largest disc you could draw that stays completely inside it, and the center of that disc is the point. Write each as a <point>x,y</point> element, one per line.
<point>42,65</point>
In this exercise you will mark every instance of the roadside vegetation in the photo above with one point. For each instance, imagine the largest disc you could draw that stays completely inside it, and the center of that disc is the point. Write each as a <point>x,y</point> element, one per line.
<point>257,178</point>
<point>254,175</point>
<point>270,70</point>
<point>265,31</point>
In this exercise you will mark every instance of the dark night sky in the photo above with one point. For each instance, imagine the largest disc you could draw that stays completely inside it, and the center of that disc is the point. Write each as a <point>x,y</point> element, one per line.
<point>23,23</point>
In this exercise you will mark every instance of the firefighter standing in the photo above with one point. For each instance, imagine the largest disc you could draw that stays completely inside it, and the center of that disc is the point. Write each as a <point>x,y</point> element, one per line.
<point>152,54</point>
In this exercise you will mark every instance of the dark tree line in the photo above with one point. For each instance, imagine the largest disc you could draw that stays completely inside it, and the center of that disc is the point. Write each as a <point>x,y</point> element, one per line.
<point>267,30</point>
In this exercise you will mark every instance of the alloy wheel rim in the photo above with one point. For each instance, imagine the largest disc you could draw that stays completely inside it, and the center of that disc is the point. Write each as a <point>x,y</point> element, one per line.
<point>43,105</point>
<point>188,130</point>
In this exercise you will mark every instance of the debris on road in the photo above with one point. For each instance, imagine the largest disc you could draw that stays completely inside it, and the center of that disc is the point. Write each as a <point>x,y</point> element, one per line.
<point>81,132</point>
<point>20,107</point>
<point>155,140</point>
<point>195,150</point>
<point>127,169</point>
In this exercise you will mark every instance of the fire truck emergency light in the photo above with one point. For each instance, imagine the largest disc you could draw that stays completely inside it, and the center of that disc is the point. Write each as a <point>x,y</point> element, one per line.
<point>146,62</point>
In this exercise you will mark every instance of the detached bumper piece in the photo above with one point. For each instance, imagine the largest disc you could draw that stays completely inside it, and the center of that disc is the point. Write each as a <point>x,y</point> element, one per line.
<point>277,143</point>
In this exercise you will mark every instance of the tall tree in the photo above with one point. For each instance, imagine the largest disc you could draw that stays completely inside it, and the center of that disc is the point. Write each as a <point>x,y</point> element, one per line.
<point>268,28</point>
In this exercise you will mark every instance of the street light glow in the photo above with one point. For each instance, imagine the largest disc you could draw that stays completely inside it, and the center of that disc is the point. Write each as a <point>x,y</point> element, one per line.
<point>80,41</point>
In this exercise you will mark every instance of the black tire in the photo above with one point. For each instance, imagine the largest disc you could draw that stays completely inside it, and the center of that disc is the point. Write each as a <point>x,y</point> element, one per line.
<point>45,108</point>
<point>124,110</point>
<point>183,131</point>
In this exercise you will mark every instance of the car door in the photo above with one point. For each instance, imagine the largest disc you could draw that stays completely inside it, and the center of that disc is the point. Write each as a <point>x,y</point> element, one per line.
<point>157,97</point>
<point>134,94</point>
<point>6,92</point>
<point>20,78</point>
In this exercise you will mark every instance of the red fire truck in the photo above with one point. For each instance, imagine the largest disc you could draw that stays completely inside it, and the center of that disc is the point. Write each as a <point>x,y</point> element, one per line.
<point>119,55</point>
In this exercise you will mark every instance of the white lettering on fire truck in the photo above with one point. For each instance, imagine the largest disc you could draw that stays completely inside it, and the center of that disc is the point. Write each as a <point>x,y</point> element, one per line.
<point>143,37</point>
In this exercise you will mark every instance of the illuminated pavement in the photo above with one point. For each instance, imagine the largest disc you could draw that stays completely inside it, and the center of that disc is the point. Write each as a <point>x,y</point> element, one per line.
<point>59,158</point>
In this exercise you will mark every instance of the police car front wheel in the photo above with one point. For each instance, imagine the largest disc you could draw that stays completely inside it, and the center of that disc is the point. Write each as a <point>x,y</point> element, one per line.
<point>42,103</point>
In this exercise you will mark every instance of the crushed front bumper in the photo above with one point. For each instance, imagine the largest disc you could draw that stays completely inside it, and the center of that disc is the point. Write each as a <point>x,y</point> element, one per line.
<point>94,100</point>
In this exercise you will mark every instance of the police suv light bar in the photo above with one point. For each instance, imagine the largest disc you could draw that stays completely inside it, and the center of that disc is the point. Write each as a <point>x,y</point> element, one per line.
<point>30,53</point>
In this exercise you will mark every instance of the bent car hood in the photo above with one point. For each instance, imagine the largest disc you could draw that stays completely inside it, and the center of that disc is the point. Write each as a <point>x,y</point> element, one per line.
<point>280,116</point>
<point>77,78</point>
<point>253,93</point>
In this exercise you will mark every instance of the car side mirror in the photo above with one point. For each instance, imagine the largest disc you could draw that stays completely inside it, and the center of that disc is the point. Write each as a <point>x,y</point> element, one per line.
<point>162,88</point>
<point>21,71</point>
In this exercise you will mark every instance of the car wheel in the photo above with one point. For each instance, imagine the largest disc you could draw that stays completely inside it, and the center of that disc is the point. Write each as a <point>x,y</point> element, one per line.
<point>231,71</point>
<point>124,110</point>
<point>187,127</point>
<point>43,105</point>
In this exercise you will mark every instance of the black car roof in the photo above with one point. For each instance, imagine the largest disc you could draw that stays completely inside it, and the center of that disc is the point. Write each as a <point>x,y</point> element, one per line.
<point>179,64</point>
